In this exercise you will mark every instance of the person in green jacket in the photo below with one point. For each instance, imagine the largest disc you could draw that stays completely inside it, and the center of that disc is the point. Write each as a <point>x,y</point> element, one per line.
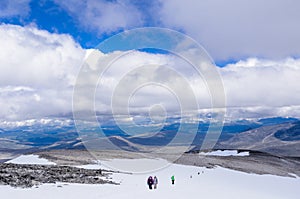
<point>173,179</point>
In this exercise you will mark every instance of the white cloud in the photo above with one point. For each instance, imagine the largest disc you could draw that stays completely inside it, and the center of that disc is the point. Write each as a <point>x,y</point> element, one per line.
<point>257,82</point>
<point>37,58</point>
<point>139,80</point>
<point>236,29</point>
<point>103,16</point>
<point>12,8</point>
<point>260,87</point>
<point>231,29</point>
<point>253,87</point>
<point>37,72</point>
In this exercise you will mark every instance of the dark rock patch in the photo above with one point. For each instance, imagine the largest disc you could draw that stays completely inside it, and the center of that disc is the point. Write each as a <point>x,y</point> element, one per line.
<point>25,176</point>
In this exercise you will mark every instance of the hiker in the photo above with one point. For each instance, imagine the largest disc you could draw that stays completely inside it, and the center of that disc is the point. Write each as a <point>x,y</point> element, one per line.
<point>150,182</point>
<point>155,182</point>
<point>173,179</point>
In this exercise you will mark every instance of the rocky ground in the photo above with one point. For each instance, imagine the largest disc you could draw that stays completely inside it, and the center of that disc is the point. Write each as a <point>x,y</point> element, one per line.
<point>31,175</point>
<point>25,176</point>
<point>256,162</point>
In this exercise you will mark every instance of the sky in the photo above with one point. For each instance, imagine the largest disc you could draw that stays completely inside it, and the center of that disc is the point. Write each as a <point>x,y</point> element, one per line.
<point>255,45</point>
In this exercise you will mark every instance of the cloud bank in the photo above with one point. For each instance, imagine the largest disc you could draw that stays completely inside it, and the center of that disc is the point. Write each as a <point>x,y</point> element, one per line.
<point>235,29</point>
<point>254,87</point>
<point>38,70</point>
<point>262,88</point>
<point>229,30</point>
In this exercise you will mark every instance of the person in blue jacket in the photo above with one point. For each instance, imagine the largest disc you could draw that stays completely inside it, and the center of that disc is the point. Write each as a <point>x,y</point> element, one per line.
<point>155,182</point>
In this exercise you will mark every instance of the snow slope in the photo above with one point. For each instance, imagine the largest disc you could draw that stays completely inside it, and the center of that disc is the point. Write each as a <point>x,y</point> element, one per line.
<point>216,183</point>
<point>30,159</point>
<point>225,153</point>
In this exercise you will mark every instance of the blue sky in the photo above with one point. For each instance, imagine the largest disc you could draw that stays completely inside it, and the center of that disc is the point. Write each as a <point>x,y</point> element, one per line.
<point>49,16</point>
<point>44,42</point>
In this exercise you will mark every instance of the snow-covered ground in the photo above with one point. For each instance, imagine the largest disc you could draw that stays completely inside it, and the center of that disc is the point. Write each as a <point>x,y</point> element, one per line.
<point>30,159</point>
<point>136,166</point>
<point>191,182</point>
<point>225,153</point>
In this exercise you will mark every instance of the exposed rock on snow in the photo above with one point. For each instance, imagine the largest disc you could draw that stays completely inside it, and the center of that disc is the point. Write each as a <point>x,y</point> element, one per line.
<point>25,175</point>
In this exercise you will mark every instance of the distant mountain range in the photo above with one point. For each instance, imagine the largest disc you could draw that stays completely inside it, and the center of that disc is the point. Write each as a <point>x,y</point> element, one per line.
<point>274,135</point>
<point>277,139</point>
